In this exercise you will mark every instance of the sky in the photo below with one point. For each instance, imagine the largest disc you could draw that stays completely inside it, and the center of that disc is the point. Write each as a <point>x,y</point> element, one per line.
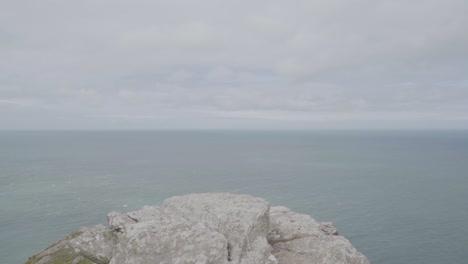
<point>149,64</point>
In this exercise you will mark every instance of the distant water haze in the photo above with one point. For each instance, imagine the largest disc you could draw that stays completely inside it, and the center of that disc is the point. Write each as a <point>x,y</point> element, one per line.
<point>399,196</point>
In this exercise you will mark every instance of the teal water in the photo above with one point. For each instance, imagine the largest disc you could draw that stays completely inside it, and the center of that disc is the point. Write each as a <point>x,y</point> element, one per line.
<point>399,196</point>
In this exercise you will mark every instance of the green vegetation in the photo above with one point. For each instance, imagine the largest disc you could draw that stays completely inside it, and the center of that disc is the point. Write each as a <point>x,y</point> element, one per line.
<point>60,253</point>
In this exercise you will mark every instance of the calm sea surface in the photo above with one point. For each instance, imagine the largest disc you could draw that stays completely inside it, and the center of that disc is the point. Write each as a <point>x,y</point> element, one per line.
<point>399,196</point>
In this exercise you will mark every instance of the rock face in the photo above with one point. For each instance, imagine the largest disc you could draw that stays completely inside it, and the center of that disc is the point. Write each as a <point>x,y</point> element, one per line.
<point>298,238</point>
<point>211,228</point>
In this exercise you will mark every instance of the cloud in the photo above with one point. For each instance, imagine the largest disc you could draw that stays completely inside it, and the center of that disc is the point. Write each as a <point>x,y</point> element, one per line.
<point>180,76</point>
<point>218,74</point>
<point>21,102</point>
<point>192,60</point>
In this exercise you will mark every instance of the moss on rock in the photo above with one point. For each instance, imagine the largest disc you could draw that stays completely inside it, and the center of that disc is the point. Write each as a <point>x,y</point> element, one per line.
<point>60,253</point>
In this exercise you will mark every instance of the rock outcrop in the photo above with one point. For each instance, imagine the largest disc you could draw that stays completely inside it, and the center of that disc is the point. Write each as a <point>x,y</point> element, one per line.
<point>211,228</point>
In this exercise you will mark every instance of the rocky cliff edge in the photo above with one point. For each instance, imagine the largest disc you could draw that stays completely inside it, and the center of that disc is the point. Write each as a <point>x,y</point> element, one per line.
<point>209,228</point>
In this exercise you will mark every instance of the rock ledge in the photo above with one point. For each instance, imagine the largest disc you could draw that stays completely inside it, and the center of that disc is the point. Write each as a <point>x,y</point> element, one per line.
<point>208,228</point>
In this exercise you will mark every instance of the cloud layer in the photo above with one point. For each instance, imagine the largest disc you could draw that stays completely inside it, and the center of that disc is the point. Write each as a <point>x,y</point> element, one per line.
<point>230,65</point>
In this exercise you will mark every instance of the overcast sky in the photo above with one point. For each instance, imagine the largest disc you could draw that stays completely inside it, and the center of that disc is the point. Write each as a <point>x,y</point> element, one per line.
<point>146,64</point>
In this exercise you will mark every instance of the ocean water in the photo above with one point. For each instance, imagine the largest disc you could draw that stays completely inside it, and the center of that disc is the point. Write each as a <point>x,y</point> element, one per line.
<point>399,196</point>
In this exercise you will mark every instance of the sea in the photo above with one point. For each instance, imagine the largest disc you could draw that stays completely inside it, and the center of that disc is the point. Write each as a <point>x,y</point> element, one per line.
<point>398,196</point>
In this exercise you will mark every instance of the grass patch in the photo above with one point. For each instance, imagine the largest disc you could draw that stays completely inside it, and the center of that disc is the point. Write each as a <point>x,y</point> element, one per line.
<point>60,253</point>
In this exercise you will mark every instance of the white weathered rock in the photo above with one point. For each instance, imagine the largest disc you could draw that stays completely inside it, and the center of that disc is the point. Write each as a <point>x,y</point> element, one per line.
<point>118,222</point>
<point>299,239</point>
<point>170,240</point>
<point>287,225</point>
<point>213,228</point>
<point>328,228</point>
<point>147,213</point>
<point>328,249</point>
<point>97,244</point>
<point>242,219</point>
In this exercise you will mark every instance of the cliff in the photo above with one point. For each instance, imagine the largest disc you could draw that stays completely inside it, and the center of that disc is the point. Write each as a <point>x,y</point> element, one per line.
<point>215,228</point>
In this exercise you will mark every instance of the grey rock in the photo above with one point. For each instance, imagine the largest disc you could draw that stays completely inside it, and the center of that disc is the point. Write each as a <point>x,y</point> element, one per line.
<point>300,239</point>
<point>287,225</point>
<point>328,249</point>
<point>119,221</point>
<point>96,243</point>
<point>328,228</point>
<point>242,219</point>
<point>210,228</point>
<point>147,213</point>
<point>169,239</point>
